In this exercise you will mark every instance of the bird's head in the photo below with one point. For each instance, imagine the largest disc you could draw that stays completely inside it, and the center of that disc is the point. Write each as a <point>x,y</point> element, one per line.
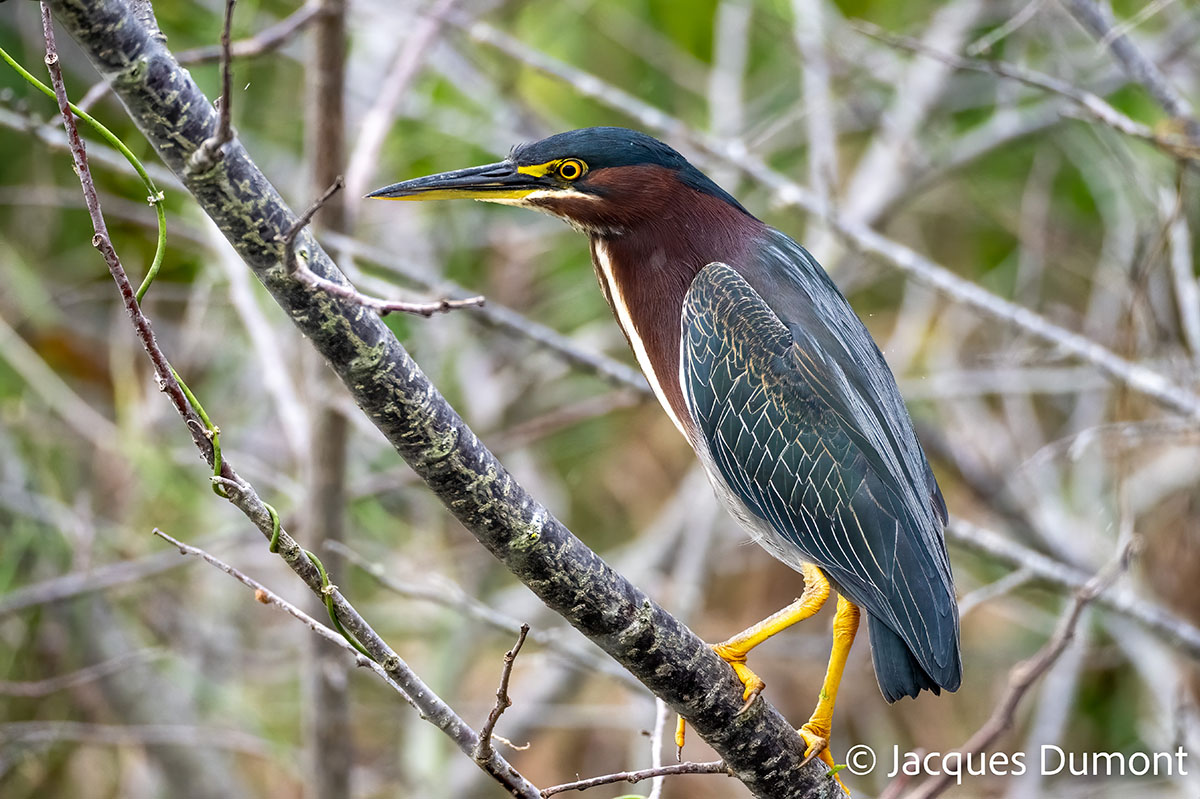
<point>604,181</point>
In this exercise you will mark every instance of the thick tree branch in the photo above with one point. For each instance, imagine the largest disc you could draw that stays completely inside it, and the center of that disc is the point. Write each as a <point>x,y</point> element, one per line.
<point>759,746</point>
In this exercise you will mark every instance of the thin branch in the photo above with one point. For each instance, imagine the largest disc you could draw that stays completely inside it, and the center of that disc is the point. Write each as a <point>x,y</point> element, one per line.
<point>101,241</point>
<point>1136,64</point>
<point>97,671</point>
<point>993,590</point>
<point>989,40</point>
<point>28,733</point>
<point>1173,629</point>
<point>499,316</point>
<point>75,584</point>
<point>298,269</point>
<point>265,41</point>
<point>661,714</point>
<point>268,597</point>
<point>210,152</point>
<point>484,750</point>
<point>715,767</point>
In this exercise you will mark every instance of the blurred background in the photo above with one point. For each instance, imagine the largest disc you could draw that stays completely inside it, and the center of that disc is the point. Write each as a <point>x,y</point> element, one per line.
<point>129,671</point>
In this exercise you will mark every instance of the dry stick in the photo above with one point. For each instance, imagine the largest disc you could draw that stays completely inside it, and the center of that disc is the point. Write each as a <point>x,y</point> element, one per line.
<point>1025,674</point>
<point>714,767</point>
<point>241,493</point>
<point>298,269</point>
<point>484,750</point>
<point>760,746</point>
<point>100,240</point>
<point>859,236</point>
<point>1135,63</point>
<point>206,157</point>
<point>992,37</point>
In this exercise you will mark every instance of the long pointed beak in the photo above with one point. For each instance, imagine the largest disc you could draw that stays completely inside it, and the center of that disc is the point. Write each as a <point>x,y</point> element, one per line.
<point>499,181</point>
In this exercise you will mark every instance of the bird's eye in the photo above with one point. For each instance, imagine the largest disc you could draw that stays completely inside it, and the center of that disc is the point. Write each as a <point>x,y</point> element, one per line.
<point>571,169</point>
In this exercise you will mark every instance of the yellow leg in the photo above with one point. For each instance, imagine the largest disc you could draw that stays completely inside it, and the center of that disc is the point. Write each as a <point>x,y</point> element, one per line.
<point>733,650</point>
<point>816,731</point>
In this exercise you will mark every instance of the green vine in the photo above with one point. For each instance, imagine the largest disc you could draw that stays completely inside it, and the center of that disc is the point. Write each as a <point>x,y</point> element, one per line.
<point>156,196</point>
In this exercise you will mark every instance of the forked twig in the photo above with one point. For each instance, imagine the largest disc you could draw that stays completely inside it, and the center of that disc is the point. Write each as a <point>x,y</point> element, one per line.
<point>299,270</point>
<point>483,751</point>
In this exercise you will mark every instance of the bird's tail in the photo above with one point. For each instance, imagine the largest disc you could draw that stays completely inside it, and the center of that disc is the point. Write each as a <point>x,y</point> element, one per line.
<point>898,671</point>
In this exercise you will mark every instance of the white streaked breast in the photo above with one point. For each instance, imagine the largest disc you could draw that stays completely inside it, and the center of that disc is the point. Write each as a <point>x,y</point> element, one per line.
<point>625,320</point>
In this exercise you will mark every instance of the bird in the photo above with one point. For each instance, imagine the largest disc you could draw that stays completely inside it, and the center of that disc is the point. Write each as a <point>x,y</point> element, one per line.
<point>767,372</point>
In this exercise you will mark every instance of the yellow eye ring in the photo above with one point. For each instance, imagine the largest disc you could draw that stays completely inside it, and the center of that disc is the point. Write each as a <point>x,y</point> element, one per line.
<point>571,169</point>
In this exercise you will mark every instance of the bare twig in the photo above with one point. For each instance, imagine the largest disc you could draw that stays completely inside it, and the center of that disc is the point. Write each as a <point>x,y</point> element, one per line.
<point>986,42</point>
<point>101,241</point>
<point>483,750</point>
<point>500,316</point>
<point>209,153</point>
<point>998,588</point>
<point>298,269</point>
<point>661,714</point>
<point>268,597</point>
<point>715,767</point>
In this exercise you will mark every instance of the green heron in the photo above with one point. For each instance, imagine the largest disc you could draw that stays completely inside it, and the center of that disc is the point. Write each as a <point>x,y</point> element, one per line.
<point>763,366</point>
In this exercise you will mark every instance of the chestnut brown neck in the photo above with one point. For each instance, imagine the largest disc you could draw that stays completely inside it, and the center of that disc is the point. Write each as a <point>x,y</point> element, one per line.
<point>646,268</point>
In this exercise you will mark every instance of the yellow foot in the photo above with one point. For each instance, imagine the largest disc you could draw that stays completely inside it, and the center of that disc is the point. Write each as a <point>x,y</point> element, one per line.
<point>752,686</point>
<point>818,747</point>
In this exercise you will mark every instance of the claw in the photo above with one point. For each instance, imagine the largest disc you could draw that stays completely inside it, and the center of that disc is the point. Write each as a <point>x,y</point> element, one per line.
<point>818,747</point>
